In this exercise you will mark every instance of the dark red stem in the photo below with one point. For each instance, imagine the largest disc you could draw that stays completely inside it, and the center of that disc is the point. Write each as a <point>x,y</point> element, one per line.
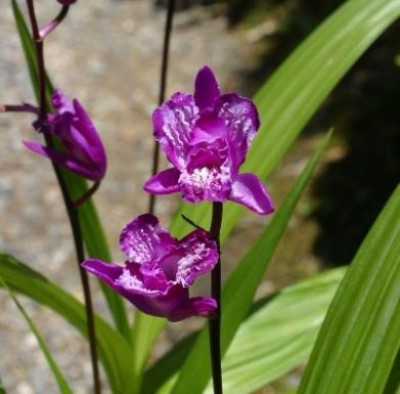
<point>163,84</point>
<point>215,323</point>
<point>77,203</point>
<point>55,22</point>
<point>73,214</point>
<point>19,108</point>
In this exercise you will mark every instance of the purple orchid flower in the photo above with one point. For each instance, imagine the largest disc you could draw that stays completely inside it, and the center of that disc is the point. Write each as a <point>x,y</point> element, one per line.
<point>160,269</point>
<point>84,152</point>
<point>206,137</point>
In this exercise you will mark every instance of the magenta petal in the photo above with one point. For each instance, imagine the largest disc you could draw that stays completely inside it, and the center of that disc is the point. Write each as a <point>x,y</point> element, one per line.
<point>173,124</point>
<point>84,124</point>
<point>165,182</point>
<point>143,240</point>
<point>106,272</point>
<point>128,282</point>
<point>63,159</point>
<point>132,281</point>
<point>206,89</point>
<point>60,103</point>
<point>241,122</point>
<point>154,303</point>
<point>199,306</point>
<point>199,256</point>
<point>248,190</point>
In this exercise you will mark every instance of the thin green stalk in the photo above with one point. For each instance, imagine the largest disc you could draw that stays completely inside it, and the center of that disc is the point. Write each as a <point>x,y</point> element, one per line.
<point>73,214</point>
<point>215,323</point>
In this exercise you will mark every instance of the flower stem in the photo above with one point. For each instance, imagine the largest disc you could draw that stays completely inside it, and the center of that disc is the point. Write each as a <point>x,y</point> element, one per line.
<point>24,107</point>
<point>191,222</point>
<point>73,214</point>
<point>77,203</point>
<point>163,84</point>
<point>55,22</point>
<point>215,323</point>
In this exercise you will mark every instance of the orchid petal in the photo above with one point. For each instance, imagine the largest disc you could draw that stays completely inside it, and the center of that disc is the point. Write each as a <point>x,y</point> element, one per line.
<point>204,183</point>
<point>128,281</point>
<point>91,142</point>
<point>60,103</point>
<point>162,306</point>
<point>209,128</point>
<point>206,89</point>
<point>248,190</point>
<point>198,306</point>
<point>133,280</point>
<point>241,121</point>
<point>173,124</point>
<point>165,182</point>
<point>199,256</point>
<point>87,128</point>
<point>66,160</point>
<point>203,155</point>
<point>143,240</point>
<point>104,271</point>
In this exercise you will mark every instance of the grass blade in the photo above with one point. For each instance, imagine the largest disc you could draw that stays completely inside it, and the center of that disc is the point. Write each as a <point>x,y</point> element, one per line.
<point>60,379</point>
<point>114,350</point>
<point>359,339</point>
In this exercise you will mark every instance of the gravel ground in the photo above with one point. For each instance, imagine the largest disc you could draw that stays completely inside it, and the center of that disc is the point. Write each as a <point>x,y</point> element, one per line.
<point>106,54</point>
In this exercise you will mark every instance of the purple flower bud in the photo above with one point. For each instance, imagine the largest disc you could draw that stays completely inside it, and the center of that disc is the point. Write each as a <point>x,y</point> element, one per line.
<point>206,136</point>
<point>160,269</point>
<point>84,152</point>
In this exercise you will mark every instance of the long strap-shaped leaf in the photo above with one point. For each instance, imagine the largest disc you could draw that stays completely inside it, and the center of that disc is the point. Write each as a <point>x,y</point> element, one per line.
<point>276,337</point>
<point>280,335</point>
<point>293,94</point>
<point>114,350</point>
<point>360,337</point>
<point>92,229</point>
<point>241,286</point>
<point>60,379</point>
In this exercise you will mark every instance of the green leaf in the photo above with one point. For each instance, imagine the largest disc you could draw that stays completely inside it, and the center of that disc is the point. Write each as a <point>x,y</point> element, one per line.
<point>289,99</point>
<point>28,49</point>
<point>279,335</point>
<point>2,389</point>
<point>145,331</point>
<point>241,286</point>
<point>159,378</point>
<point>92,230</point>
<point>114,350</point>
<point>60,379</point>
<point>393,382</point>
<point>359,339</point>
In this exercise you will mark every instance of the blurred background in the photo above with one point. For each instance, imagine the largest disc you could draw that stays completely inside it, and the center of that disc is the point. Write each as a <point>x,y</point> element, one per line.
<point>107,54</point>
